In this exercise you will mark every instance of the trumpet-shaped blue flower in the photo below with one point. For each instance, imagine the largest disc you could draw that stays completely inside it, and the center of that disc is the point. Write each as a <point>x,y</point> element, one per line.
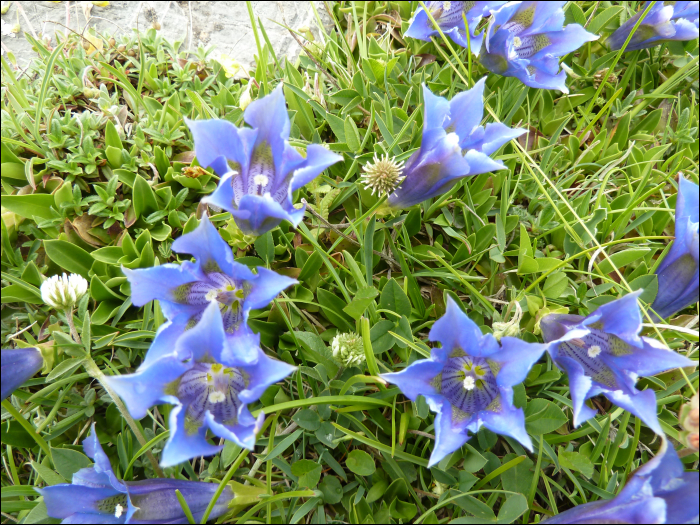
<point>448,16</point>
<point>259,169</point>
<point>678,272</point>
<point>526,39</point>
<point>665,21</point>
<point>454,146</point>
<point>604,354</point>
<point>659,492</point>
<point>18,365</point>
<point>97,496</point>
<point>468,382</point>
<point>185,290</point>
<point>210,377</point>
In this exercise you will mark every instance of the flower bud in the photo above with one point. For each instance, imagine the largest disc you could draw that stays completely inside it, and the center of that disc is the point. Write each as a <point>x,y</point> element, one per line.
<point>349,349</point>
<point>63,291</point>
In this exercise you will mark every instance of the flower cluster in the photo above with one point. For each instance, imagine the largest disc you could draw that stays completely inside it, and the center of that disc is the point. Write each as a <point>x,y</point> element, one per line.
<point>526,39</point>
<point>664,22</point>
<point>455,145</point>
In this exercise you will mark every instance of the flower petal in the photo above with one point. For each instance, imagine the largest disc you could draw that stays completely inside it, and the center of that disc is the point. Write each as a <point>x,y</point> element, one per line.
<point>516,358</point>
<point>318,159</point>
<point>205,244</point>
<point>159,282</point>
<point>580,389</point>
<point>564,41</point>
<point>65,500</point>
<point>218,141</point>
<point>416,379</point>
<point>449,435</point>
<point>455,330</point>
<point>206,339</point>
<point>257,215</point>
<point>466,112</point>
<point>649,360</point>
<point>18,365</point>
<point>620,317</point>
<point>480,163</point>
<point>508,420</point>
<point>242,435</point>
<point>265,287</point>
<point>264,372</point>
<point>146,387</point>
<point>641,404</point>
<point>436,109</point>
<point>182,444</point>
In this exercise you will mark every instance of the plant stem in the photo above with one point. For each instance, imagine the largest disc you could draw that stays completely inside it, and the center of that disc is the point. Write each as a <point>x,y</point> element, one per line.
<point>71,325</point>
<point>95,372</point>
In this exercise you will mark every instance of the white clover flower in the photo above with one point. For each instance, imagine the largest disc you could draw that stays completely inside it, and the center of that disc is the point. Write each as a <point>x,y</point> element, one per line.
<point>348,349</point>
<point>63,291</point>
<point>383,175</point>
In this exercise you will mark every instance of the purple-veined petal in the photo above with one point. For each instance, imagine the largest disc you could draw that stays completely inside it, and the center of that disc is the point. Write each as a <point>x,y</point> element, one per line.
<point>651,359</point>
<point>621,317</point>
<point>563,42</point>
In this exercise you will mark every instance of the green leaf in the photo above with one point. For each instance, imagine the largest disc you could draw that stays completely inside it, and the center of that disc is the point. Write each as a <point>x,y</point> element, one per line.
<point>144,200</point>
<point>555,285</point>
<point>363,298</point>
<point>265,247</point>
<point>602,19</point>
<point>307,419</point>
<point>69,257</point>
<point>333,309</point>
<point>48,475</point>
<point>309,472</point>
<point>332,490</point>
<point>360,463</point>
<point>68,462</point>
<point>576,461</point>
<point>29,206</point>
<point>543,417</point>
<point>352,135</point>
<point>622,259</point>
<point>394,299</point>
<point>512,509</point>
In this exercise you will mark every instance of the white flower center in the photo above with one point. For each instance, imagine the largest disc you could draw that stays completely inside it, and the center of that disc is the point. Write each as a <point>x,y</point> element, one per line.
<point>261,180</point>
<point>217,397</point>
<point>446,6</point>
<point>118,511</point>
<point>469,383</point>
<point>594,351</point>
<point>517,42</point>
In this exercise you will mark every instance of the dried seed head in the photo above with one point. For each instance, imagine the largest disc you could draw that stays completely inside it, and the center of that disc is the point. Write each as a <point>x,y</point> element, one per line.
<point>384,175</point>
<point>63,291</point>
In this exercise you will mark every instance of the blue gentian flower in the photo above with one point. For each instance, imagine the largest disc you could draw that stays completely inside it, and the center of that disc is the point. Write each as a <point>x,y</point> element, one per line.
<point>665,21</point>
<point>97,496</point>
<point>259,169</point>
<point>18,365</point>
<point>678,272</point>
<point>185,290</point>
<point>526,39</point>
<point>210,377</point>
<point>448,16</point>
<point>659,492</point>
<point>454,146</point>
<point>604,354</point>
<point>468,382</point>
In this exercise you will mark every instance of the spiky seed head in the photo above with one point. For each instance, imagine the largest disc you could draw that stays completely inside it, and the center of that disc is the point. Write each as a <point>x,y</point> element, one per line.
<point>383,175</point>
<point>349,349</point>
<point>63,291</point>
